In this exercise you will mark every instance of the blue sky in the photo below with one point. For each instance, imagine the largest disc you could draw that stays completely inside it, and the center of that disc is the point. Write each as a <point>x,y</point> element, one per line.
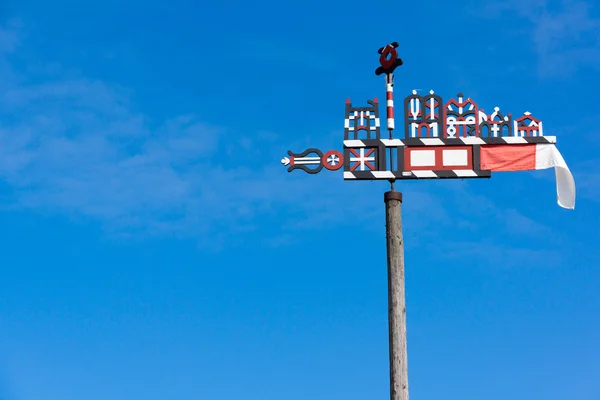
<point>153,247</point>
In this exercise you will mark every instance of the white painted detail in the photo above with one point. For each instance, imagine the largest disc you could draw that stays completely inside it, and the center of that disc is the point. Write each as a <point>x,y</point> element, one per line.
<point>495,129</point>
<point>354,143</point>
<point>464,172</point>
<point>455,158</point>
<point>514,140</point>
<point>349,175</point>
<point>383,174</point>
<point>362,159</point>
<point>285,161</point>
<point>472,140</point>
<point>548,156</point>
<point>307,160</point>
<point>432,142</point>
<point>432,108</point>
<point>422,158</point>
<point>333,160</point>
<point>392,142</point>
<point>414,108</point>
<point>424,174</point>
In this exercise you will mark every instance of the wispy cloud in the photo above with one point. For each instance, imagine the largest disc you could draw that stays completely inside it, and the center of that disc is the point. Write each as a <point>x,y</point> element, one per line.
<point>564,36</point>
<point>81,147</point>
<point>505,255</point>
<point>588,179</point>
<point>9,36</point>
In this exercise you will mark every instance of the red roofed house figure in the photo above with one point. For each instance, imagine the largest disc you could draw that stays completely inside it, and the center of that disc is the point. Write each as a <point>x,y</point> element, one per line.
<point>462,118</point>
<point>527,125</point>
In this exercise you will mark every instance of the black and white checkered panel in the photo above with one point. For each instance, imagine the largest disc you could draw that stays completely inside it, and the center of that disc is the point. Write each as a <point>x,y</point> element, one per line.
<point>449,142</point>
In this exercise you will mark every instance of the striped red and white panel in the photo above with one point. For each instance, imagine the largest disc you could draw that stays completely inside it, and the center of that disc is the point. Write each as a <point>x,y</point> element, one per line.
<point>532,157</point>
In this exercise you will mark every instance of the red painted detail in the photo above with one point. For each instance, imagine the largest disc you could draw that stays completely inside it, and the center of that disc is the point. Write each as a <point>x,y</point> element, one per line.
<point>461,130</point>
<point>439,158</point>
<point>390,109</point>
<point>508,157</point>
<point>526,117</point>
<point>386,62</point>
<point>340,161</point>
<point>426,126</point>
<point>465,105</point>
<point>291,160</point>
<point>528,129</point>
<point>356,153</point>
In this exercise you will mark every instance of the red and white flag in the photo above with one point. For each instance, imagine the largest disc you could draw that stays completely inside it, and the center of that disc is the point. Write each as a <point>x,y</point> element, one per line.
<point>531,157</point>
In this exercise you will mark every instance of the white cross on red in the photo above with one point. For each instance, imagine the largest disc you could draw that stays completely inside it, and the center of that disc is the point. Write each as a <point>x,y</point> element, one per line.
<point>362,160</point>
<point>333,159</point>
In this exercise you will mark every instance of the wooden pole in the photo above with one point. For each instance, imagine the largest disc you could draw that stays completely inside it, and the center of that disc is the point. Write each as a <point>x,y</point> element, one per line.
<point>396,297</point>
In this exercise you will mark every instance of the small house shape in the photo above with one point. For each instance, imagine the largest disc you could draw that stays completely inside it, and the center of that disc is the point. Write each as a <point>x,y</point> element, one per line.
<point>422,115</point>
<point>495,125</point>
<point>527,125</point>
<point>461,118</point>
<point>364,119</point>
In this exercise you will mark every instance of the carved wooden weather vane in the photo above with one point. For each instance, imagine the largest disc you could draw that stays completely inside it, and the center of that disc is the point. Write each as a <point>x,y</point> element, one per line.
<point>452,139</point>
<point>455,139</point>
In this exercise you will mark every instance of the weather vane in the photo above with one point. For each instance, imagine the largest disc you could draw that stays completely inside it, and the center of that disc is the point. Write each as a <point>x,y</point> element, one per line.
<point>452,139</point>
<point>455,139</point>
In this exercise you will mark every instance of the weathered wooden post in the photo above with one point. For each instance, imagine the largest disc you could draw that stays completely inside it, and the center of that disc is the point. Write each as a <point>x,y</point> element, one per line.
<point>396,297</point>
